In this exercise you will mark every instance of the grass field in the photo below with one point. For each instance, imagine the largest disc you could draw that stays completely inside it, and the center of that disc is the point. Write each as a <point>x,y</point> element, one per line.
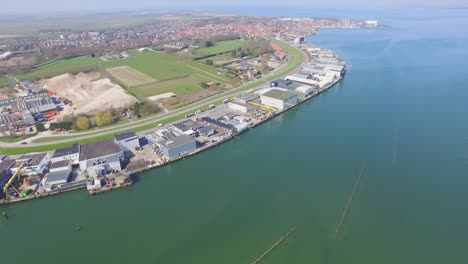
<point>3,81</point>
<point>221,47</point>
<point>129,76</point>
<point>166,68</point>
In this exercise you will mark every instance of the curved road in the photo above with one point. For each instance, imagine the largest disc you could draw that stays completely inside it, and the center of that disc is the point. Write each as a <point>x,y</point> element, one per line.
<point>153,119</point>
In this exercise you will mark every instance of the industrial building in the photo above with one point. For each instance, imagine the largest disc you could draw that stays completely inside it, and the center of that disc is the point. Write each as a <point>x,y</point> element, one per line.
<point>206,131</point>
<point>127,141</point>
<point>178,146</point>
<point>6,55</point>
<point>35,103</point>
<point>305,90</point>
<point>34,164</point>
<point>241,107</point>
<point>279,99</point>
<point>70,153</point>
<point>5,172</point>
<point>246,97</point>
<point>57,178</point>
<point>61,166</point>
<point>101,157</point>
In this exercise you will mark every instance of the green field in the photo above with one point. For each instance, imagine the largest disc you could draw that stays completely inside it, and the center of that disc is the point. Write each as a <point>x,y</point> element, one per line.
<point>221,47</point>
<point>175,74</point>
<point>3,81</point>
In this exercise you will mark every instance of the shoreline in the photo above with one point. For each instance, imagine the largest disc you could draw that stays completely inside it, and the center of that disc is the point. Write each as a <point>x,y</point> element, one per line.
<point>224,139</point>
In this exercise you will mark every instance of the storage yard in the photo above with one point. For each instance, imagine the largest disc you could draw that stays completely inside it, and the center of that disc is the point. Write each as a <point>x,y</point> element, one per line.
<point>110,164</point>
<point>87,92</point>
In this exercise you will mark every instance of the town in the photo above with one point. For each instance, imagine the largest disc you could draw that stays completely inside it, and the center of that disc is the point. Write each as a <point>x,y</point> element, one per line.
<point>111,164</point>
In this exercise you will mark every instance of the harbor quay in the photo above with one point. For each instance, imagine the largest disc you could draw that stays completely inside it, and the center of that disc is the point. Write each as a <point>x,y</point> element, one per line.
<point>111,164</point>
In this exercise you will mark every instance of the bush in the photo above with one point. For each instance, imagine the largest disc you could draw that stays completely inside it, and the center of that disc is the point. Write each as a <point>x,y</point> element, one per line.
<point>209,62</point>
<point>64,125</point>
<point>40,128</point>
<point>204,85</point>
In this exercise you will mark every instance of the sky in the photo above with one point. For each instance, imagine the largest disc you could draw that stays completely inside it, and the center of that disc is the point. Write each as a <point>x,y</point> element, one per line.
<point>52,6</point>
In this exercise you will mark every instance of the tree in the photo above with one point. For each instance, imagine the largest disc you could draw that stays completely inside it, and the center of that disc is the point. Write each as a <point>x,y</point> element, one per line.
<point>82,123</point>
<point>103,118</point>
<point>40,128</point>
<point>149,107</point>
<point>204,85</point>
<point>209,62</point>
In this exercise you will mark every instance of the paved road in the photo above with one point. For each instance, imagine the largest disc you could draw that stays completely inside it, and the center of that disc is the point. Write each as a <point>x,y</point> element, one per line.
<point>150,120</point>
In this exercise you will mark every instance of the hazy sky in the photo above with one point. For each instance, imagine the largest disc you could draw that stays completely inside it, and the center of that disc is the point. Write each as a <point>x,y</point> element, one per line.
<point>36,6</point>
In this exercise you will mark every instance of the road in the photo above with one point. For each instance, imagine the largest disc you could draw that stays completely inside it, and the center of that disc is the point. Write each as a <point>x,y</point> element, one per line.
<point>153,119</point>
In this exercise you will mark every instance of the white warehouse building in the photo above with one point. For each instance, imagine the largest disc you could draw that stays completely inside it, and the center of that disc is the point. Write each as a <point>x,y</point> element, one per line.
<point>279,99</point>
<point>244,108</point>
<point>305,90</point>
<point>100,157</point>
<point>71,153</point>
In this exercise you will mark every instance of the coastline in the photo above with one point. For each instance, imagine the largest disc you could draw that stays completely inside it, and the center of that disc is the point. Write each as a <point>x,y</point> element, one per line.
<point>141,169</point>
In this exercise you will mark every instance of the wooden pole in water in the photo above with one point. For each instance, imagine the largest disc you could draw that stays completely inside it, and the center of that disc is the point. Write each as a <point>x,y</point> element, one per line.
<point>5,215</point>
<point>274,245</point>
<point>350,200</point>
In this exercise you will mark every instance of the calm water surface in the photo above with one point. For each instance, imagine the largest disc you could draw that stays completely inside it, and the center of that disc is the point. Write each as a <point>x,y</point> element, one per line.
<point>400,113</point>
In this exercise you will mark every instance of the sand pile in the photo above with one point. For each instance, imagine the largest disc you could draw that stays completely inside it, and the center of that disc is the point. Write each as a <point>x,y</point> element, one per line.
<point>88,93</point>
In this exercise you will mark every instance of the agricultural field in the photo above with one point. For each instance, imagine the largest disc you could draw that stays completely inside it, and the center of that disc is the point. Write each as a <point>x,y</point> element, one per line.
<point>74,65</point>
<point>170,73</point>
<point>129,76</point>
<point>221,47</point>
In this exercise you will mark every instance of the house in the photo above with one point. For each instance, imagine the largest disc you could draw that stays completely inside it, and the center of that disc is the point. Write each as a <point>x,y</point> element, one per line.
<point>127,141</point>
<point>70,153</point>
<point>279,99</point>
<point>34,164</point>
<point>178,146</point>
<point>101,157</point>
<point>6,55</point>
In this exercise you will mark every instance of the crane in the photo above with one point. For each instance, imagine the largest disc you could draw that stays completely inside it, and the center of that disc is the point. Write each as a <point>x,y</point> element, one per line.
<point>12,179</point>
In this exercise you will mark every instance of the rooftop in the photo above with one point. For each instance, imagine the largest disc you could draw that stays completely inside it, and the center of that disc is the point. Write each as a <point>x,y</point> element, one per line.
<point>74,149</point>
<point>177,141</point>
<point>7,164</point>
<point>98,149</point>
<point>278,94</point>
<point>60,164</point>
<point>58,176</point>
<point>31,159</point>
<point>125,136</point>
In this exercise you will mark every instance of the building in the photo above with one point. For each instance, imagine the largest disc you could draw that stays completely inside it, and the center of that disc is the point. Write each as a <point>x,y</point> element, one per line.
<point>57,178</point>
<point>246,97</point>
<point>178,146</point>
<point>34,164</point>
<point>101,157</point>
<point>372,23</point>
<point>278,99</point>
<point>206,131</point>
<point>280,83</point>
<point>301,79</point>
<point>219,125</point>
<point>241,107</point>
<point>299,40</point>
<point>61,166</point>
<point>71,153</point>
<point>305,90</point>
<point>6,55</point>
<point>127,141</point>
<point>28,119</point>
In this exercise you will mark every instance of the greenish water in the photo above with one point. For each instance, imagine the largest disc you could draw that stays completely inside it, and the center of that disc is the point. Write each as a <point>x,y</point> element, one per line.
<point>400,112</point>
